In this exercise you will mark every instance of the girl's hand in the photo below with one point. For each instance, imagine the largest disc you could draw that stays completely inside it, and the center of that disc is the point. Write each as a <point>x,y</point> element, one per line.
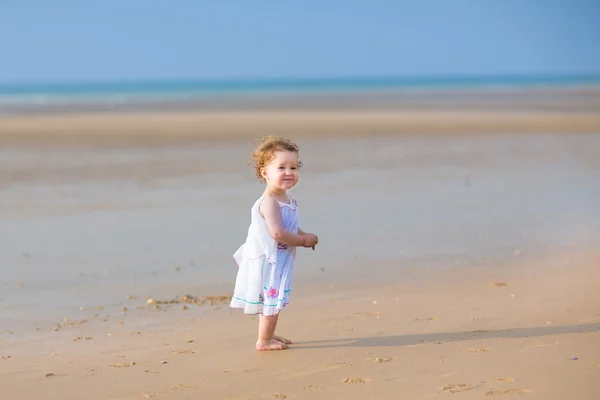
<point>310,240</point>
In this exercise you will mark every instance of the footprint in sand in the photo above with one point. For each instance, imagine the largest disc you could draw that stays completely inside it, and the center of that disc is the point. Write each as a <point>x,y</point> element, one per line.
<point>312,388</point>
<point>456,388</point>
<point>279,396</point>
<point>507,392</point>
<point>354,380</point>
<point>505,379</point>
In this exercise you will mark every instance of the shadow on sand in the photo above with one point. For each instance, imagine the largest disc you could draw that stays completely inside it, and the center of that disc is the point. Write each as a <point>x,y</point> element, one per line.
<point>445,337</point>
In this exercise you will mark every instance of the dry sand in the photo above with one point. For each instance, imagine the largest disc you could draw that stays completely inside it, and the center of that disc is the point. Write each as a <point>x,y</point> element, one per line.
<point>528,329</point>
<point>176,127</point>
<point>435,319</point>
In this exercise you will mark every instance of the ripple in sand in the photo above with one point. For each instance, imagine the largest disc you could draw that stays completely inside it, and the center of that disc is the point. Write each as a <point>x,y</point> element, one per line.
<point>75,339</point>
<point>189,299</point>
<point>456,388</point>
<point>131,364</point>
<point>365,314</point>
<point>188,351</point>
<point>312,388</point>
<point>434,318</point>
<point>505,379</point>
<point>508,392</point>
<point>167,389</point>
<point>68,322</point>
<point>478,349</point>
<point>378,360</point>
<point>353,380</point>
<point>339,364</point>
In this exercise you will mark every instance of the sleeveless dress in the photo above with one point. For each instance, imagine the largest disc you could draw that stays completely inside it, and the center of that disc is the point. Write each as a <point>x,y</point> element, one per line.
<point>264,278</point>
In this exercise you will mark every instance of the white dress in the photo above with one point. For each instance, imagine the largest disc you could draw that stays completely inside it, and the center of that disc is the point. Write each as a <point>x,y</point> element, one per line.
<point>264,279</point>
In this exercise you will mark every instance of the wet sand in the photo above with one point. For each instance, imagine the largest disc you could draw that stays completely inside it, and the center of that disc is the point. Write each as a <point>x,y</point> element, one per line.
<point>134,129</point>
<point>353,114</point>
<point>454,261</point>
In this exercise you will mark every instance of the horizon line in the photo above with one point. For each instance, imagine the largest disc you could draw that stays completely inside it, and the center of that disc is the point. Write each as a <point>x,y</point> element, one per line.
<point>305,79</point>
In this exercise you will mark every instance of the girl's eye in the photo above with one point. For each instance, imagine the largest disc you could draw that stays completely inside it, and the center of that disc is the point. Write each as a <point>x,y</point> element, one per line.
<point>280,167</point>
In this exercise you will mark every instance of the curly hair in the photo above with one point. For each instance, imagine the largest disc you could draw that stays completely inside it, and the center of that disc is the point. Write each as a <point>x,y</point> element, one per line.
<point>265,152</point>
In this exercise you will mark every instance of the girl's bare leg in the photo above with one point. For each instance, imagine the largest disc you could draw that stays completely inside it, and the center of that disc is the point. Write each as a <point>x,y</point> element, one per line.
<point>266,331</point>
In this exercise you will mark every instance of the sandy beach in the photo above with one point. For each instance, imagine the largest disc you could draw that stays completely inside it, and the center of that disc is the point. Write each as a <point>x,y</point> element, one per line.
<point>527,330</point>
<point>459,254</point>
<point>550,110</point>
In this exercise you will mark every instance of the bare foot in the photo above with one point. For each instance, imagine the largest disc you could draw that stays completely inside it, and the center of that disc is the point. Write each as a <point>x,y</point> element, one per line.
<point>264,345</point>
<point>282,339</point>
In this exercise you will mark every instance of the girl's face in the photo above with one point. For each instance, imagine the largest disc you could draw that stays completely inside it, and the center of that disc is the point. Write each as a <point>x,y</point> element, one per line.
<point>282,172</point>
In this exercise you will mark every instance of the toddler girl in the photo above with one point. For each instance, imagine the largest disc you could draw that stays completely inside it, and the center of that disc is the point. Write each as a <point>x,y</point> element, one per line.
<point>266,259</point>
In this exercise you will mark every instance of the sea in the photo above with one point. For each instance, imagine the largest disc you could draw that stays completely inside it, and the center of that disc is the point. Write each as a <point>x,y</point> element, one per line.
<point>26,97</point>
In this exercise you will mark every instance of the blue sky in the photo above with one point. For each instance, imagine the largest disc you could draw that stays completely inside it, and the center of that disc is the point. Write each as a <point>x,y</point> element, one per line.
<point>108,40</point>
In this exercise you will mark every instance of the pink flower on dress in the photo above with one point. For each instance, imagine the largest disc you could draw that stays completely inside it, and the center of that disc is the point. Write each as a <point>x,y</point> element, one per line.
<point>272,292</point>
